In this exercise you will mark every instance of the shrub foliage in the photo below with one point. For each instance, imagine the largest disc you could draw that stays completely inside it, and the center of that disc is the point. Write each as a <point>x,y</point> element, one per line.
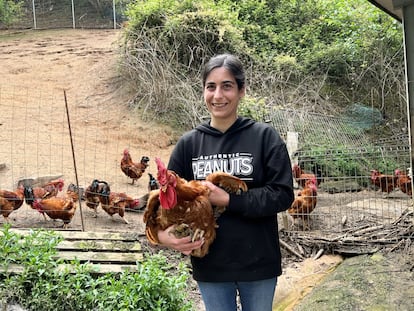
<point>44,285</point>
<point>316,55</point>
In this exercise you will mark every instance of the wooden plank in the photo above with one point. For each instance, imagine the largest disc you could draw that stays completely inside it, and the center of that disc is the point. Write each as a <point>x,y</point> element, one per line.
<point>111,268</point>
<point>105,252</point>
<point>100,257</point>
<point>95,268</point>
<point>95,245</point>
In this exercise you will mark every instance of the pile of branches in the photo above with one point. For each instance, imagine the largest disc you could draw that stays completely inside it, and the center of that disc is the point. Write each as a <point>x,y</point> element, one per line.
<point>363,239</point>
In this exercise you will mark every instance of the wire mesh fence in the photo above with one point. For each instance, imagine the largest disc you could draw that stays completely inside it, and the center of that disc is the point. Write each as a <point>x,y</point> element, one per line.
<point>52,14</point>
<point>347,196</point>
<point>342,155</point>
<point>36,141</point>
<point>41,140</point>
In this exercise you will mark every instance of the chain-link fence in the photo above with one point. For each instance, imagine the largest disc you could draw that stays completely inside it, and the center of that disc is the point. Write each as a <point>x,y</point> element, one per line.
<point>46,14</point>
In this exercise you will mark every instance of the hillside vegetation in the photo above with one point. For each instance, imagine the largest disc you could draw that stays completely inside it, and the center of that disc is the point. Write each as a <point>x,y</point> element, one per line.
<point>318,56</point>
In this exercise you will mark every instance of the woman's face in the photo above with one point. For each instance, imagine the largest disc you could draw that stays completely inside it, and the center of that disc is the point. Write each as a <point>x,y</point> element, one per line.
<point>221,94</point>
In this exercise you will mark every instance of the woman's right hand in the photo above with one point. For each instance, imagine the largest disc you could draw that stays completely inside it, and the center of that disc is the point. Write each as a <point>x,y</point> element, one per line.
<point>183,245</point>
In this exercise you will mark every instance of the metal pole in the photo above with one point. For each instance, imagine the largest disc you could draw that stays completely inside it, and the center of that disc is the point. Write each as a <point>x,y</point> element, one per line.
<point>34,14</point>
<point>408,26</point>
<point>73,15</point>
<point>114,10</point>
<point>74,160</point>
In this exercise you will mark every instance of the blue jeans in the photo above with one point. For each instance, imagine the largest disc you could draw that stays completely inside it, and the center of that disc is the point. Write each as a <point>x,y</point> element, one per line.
<point>254,296</point>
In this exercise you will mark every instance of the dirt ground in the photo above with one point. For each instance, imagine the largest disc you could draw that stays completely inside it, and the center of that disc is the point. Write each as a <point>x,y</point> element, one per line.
<point>40,65</point>
<point>36,67</point>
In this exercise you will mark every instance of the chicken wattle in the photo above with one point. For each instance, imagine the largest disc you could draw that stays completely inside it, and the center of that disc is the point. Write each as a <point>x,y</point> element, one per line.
<point>168,194</point>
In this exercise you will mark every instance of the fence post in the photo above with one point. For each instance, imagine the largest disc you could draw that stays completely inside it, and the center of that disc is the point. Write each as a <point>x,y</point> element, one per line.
<point>34,14</point>
<point>114,10</point>
<point>73,15</point>
<point>292,143</point>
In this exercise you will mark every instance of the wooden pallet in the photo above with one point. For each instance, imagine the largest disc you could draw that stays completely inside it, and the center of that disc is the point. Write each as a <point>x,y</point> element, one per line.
<point>104,252</point>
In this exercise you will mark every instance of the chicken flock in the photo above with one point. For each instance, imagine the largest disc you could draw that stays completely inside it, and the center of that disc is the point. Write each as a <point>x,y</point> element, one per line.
<point>308,182</point>
<point>169,198</point>
<point>387,183</point>
<point>52,202</point>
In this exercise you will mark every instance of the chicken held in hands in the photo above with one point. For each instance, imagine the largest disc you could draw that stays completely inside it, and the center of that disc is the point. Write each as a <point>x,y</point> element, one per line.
<point>185,205</point>
<point>11,201</point>
<point>62,208</point>
<point>304,203</point>
<point>131,169</point>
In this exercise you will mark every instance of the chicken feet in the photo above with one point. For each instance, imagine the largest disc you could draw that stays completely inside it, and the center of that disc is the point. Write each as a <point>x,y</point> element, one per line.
<point>183,230</point>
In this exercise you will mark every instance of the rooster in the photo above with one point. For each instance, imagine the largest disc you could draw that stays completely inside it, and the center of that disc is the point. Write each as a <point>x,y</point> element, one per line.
<point>92,193</point>
<point>403,182</point>
<point>131,169</point>
<point>116,203</point>
<point>186,205</point>
<point>301,176</point>
<point>11,201</point>
<point>50,189</point>
<point>386,183</point>
<point>62,208</point>
<point>305,202</point>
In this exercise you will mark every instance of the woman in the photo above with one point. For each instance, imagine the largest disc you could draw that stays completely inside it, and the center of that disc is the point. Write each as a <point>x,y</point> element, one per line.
<point>245,257</point>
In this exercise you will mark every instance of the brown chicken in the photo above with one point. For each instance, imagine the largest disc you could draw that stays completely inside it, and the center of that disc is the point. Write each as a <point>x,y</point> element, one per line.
<point>403,182</point>
<point>50,189</point>
<point>304,203</point>
<point>11,201</point>
<point>92,194</point>
<point>116,203</point>
<point>152,185</point>
<point>301,176</point>
<point>131,169</point>
<point>185,204</point>
<point>386,183</point>
<point>62,208</point>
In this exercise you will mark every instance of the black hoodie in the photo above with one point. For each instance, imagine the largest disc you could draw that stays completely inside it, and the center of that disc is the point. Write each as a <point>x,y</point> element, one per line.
<point>247,245</point>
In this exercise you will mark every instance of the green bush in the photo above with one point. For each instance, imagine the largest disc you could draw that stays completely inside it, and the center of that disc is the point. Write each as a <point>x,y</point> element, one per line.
<point>44,285</point>
<point>10,11</point>
<point>318,55</point>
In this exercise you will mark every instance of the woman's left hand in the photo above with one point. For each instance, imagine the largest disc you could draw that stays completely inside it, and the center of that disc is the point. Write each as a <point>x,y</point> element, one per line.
<point>218,196</point>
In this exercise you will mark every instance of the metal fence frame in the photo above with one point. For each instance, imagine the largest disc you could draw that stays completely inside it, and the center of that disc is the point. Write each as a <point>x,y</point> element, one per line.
<point>41,14</point>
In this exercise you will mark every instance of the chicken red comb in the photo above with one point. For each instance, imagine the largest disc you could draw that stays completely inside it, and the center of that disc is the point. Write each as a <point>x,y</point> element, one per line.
<point>160,164</point>
<point>135,203</point>
<point>162,171</point>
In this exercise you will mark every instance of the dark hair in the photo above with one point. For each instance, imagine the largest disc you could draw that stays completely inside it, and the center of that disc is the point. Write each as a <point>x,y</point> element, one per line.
<point>228,61</point>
